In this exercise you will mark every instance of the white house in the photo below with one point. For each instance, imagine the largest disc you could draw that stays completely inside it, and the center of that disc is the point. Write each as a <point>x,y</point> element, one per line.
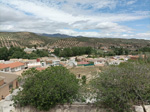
<point>16,66</point>
<point>12,67</point>
<point>55,62</point>
<point>100,61</point>
<point>115,62</point>
<point>29,50</point>
<point>4,67</point>
<point>72,63</point>
<point>33,63</point>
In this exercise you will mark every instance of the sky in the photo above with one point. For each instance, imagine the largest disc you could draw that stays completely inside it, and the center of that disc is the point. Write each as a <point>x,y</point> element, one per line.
<point>90,18</point>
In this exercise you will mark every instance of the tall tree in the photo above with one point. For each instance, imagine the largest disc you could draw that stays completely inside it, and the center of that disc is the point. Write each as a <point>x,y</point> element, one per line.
<point>45,89</point>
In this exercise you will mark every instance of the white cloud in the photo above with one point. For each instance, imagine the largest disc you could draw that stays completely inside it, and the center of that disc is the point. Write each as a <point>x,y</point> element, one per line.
<point>51,13</point>
<point>63,16</point>
<point>95,4</point>
<point>102,34</point>
<point>9,14</point>
<point>131,2</point>
<point>143,35</point>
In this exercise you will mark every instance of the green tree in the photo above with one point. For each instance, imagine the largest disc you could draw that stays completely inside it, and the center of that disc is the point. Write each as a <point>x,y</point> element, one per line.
<point>126,51</point>
<point>45,89</point>
<point>74,51</point>
<point>118,51</point>
<point>40,53</point>
<point>145,49</point>
<point>3,53</point>
<point>83,79</point>
<point>88,50</point>
<point>33,55</point>
<point>121,87</point>
<point>57,51</point>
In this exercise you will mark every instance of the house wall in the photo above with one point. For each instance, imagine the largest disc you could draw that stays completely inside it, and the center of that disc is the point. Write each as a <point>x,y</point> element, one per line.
<point>15,84</point>
<point>17,68</point>
<point>12,69</point>
<point>6,70</point>
<point>56,63</point>
<point>1,82</point>
<point>22,67</point>
<point>5,90</point>
<point>99,62</point>
<point>33,64</point>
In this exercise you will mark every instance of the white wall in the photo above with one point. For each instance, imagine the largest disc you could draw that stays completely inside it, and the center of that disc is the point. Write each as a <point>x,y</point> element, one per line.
<point>17,68</point>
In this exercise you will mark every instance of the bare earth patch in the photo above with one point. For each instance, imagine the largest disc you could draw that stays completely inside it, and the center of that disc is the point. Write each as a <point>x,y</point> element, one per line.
<point>88,71</point>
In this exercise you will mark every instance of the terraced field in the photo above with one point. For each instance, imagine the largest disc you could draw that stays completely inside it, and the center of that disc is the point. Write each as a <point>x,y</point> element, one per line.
<point>6,41</point>
<point>98,42</point>
<point>23,39</point>
<point>28,39</point>
<point>74,42</point>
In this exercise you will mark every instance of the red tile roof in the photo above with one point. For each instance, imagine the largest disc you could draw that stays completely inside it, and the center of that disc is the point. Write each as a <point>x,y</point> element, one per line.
<point>83,62</point>
<point>2,66</point>
<point>15,64</point>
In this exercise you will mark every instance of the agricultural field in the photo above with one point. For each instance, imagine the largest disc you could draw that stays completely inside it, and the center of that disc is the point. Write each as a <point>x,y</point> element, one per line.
<point>28,39</point>
<point>88,71</point>
<point>23,39</point>
<point>7,41</point>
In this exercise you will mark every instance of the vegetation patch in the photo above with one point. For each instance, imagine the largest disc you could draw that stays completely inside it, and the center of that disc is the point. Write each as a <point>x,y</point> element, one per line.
<point>17,52</point>
<point>43,90</point>
<point>73,51</point>
<point>121,87</point>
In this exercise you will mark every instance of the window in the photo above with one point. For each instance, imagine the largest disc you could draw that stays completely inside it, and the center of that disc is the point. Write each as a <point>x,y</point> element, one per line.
<point>10,85</point>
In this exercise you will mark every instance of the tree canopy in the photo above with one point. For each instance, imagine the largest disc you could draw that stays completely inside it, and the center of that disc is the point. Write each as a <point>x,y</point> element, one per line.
<point>73,51</point>
<point>45,89</point>
<point>121,87</point>
<point>17,52</point>
<point>145,49</point>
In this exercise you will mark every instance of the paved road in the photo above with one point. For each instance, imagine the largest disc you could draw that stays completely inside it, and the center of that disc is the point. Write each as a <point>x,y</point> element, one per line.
<point>6,104</point>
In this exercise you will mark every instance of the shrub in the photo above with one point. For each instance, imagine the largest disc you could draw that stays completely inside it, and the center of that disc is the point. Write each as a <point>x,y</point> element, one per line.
<point>83,79</point>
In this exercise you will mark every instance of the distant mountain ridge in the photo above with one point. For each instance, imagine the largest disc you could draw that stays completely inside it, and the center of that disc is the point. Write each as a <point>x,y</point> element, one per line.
<point>56,35</point>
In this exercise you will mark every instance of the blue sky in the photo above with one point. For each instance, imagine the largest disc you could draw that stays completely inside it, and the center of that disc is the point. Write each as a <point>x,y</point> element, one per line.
<point>90,18</point>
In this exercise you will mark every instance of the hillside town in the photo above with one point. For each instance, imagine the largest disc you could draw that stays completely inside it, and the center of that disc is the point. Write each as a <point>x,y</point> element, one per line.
<point>14,67</point>
<point>74,55</point>
<point>86,65</point>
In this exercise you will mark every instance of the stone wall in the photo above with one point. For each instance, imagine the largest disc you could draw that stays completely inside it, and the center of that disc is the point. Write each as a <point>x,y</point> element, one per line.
<point>65,108</point>
<point>140,109</point>
<point>76,108</point>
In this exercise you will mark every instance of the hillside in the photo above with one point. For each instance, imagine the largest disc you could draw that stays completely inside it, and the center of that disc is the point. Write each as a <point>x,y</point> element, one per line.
<point>23,39</point>
<point>99,42</point>
<point>56,35</point>
<point>28,39</point>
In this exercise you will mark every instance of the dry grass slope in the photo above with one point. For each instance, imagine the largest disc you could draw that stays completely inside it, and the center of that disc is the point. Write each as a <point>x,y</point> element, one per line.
<point>27,39</point>
<point>23,39</point>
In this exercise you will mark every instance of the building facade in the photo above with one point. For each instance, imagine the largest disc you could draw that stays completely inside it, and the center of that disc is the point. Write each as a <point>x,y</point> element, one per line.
<point>8,82</point>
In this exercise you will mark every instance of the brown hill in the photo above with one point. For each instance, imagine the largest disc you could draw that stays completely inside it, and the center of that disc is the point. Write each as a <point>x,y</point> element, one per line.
<point>23,39</point>
<point>28,39</point>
